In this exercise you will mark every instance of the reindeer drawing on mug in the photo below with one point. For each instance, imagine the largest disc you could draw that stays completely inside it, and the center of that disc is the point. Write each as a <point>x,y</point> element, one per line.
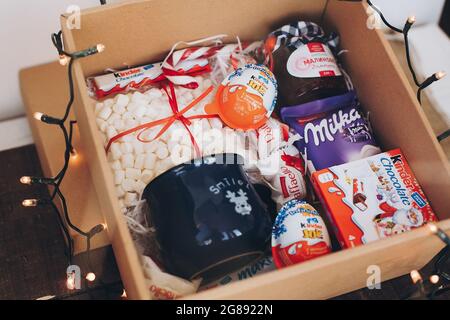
<point>241,205</point>
<point>224,225</point>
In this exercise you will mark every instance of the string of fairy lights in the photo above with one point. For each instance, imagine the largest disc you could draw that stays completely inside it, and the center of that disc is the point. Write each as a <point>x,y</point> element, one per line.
<point>435,284</point>
<point>66,126</point>
<point>430,287</point>
<point>405,32</point>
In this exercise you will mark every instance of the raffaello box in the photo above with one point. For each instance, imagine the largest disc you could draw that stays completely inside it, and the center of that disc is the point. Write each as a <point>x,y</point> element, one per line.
<point>372,198</point>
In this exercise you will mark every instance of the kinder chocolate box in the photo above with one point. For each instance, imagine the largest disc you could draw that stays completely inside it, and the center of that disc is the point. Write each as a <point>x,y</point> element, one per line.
<point>372,198</point>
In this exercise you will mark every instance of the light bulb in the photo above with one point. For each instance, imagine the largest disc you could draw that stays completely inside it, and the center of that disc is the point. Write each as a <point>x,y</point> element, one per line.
<point>30,202</point>
<point>411,19</point>
<point>38,115</point>
<point>25,180</point>
<point>100,48</point>
<point>415,276</point>
<point>433,228</point>
<point>124,294</point>
<point>90,277</point>
<point>434,279</point>
<point>439,75</point>
<point>73,154</point>
<point>64,60</point>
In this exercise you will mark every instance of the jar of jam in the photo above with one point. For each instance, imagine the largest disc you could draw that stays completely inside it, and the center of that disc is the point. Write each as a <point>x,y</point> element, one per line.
<point>306,70</point>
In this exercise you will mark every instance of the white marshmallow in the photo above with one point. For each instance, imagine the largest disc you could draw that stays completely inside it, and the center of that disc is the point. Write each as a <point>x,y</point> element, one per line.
<point>116,165</point>
<point>149,134</point>
<point>152,112</point>
<point>186,140</point>
<point>119,175</point>
<point>133,106</point>
<point>98,106</point>
<point>139,111</point>
<point>151,146</point>
<point>108,103</point>
<point>119,124</point>
<point>119,191</point>
<point>123,207</point>
<point>128,185</point>
<point>139,97</point>
<point>127,160</point>
<point>140,186</point>
<point>153,93</point>
<point>127,115</point>
<point>104,113</point>
<point>147,176</point>
<point>180,154</point>
<point>130,124</point>
<point>144,119</point>
<point>132,173</point>
<point>102,125</point>
<point>114,116</point>
<point>129,138</point>
<point>216,123</point>
<point>122,100</point>
<point>111,132</point>
<point>138,147</point>
<point>116,152</point>
<point>185,98</point>
<point>139,161</point>
<point>110,157</point>
<point>162,152</point>
<point>150,161</point>
<point>130,199</point>
<point>163,165</point>
<point>213,142</point>
<point>119,109</point>
<point>171,145</point>
<point>126,147</point>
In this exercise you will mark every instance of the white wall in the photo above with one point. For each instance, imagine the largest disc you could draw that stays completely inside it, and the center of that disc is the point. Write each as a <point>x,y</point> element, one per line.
<point>26,25</point>
<point>397,11</point>
<point>25,29</point>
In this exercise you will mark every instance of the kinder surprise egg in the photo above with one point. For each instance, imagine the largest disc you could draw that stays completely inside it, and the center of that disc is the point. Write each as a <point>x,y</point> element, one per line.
<point>246,98</point>
<point>299,234</point>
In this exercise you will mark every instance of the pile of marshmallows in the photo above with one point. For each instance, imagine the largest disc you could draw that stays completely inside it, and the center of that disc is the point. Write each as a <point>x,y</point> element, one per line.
<point>136,163</point>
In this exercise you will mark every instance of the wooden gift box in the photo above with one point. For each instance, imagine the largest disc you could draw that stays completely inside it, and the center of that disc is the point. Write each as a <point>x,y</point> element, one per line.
<point>139,32</point>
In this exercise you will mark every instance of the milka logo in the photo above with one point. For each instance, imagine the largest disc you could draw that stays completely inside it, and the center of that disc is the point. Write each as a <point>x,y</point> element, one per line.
<point>328,127</point>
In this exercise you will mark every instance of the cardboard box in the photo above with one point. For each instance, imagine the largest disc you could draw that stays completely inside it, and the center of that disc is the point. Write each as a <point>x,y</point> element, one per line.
<point>139,32</point>
<point>373,198</point>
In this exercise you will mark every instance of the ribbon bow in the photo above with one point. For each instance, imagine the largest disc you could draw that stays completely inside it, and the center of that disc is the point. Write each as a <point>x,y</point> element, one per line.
<point>178,115</point>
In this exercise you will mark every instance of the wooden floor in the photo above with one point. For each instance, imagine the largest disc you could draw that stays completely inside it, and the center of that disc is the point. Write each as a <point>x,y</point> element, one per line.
<point>32,248</point>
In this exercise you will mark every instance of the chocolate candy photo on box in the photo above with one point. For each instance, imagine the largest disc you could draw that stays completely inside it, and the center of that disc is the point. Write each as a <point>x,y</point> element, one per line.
<point>372,198</point>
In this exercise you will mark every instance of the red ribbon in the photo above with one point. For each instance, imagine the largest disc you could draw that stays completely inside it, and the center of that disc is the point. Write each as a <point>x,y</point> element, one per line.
<point>168,121</point>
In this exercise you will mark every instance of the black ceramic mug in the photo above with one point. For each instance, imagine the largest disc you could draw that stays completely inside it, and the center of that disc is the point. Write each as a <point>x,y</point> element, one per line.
<point>209,220</point>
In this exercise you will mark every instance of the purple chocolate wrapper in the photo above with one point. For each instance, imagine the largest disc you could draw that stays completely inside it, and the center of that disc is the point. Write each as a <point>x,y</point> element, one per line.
<point>333,131</point>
